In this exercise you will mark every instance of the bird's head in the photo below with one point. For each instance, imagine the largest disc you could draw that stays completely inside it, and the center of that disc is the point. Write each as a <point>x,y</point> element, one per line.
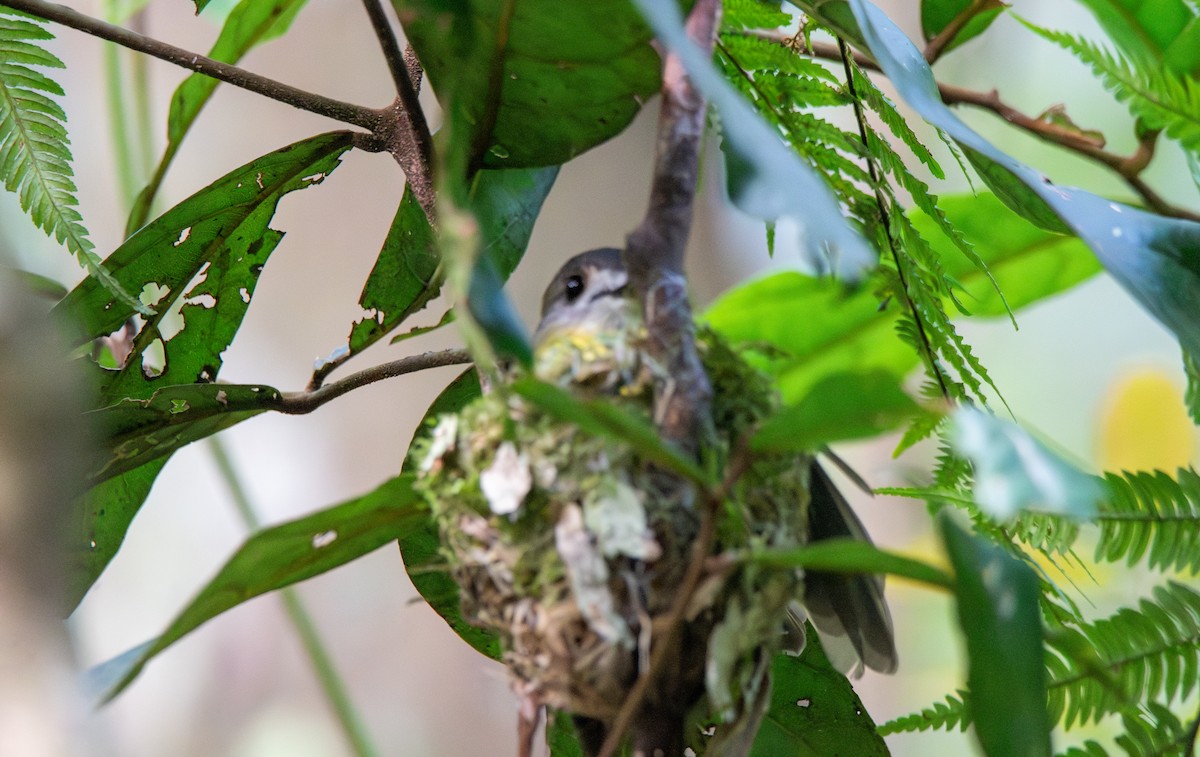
<point>589,323</point>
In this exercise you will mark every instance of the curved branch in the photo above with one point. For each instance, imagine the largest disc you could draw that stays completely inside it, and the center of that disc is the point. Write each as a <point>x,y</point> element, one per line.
<point>300,403</point>
<point>357,115</point>
<point>1129,168</point>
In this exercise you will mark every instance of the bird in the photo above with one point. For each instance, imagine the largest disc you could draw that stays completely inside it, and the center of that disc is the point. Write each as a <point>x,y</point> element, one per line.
<point>568,545</point>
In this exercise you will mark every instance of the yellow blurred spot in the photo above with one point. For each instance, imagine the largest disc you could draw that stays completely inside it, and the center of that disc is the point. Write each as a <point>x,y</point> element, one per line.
<point>1145,425</point>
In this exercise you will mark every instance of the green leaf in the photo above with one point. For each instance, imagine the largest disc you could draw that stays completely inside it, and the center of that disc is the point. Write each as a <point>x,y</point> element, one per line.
<point>531,83</point>
<point>940,716</point>
<point>603,418</point>
<point>847,331</point>
<point>101,517</point>
<point>420,546</point>
<point>202,258</point>
<point>841,406</point>
<point>250,23</point>
<point>506,205</point>
<point>35,153</point>
<point>765,178</point>
<point>1149,653</point>
<point>286,554</point>
<point>814,710</point>
<point>1156,259</point>
<point>406,276</point>
<point>936,15</point>
<point>1163,31</point>
<point>136,431</point>
<point>1000,618</point>
<point>1014,472</point>
<point>561,737</point>
<point>851,556</point>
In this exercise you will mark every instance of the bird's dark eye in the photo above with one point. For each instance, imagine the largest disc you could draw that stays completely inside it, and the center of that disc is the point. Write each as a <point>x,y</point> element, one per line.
<point>574,287</point>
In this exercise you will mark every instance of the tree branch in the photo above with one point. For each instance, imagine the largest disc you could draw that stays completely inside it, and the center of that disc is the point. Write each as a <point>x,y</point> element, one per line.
<point>1128,168</point>
<point>357,115</point>
<point>300,403</point>
<point>412,146</point>
<point>654,257</point>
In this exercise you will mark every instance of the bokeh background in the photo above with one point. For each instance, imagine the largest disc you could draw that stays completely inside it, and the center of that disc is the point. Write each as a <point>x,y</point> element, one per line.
<point>1087,369</point>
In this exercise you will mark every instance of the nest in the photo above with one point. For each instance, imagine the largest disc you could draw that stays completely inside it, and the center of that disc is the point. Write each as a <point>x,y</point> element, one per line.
<point>571,548</point>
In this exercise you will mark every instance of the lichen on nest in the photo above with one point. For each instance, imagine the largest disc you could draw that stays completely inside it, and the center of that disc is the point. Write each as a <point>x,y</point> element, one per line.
<point>566,544</point>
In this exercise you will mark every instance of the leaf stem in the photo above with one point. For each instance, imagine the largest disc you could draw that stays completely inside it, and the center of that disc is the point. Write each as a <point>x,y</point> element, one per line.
<point>327,675</point>
<point>357,115</point>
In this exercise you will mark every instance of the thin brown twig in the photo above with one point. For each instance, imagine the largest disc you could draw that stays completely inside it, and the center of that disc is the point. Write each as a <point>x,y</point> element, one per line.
<point>1128,167</point>
<point>357,115</point>
<point>300,403</point>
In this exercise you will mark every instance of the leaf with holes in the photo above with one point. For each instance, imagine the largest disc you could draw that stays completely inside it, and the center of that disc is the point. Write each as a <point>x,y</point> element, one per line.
<point>814,710</point>
<point>281,556</point>
<point>136,431</point>
<point>250,23</point>
<point>198,263</point>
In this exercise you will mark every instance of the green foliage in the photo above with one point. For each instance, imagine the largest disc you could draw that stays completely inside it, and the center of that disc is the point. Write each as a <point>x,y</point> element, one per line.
<point>842,406</point>
<point>198,265</point>
<point>249,24</point>
<point>814,711</point>
<point>998,612</point>
<point>490,66</point>
<point>1150,653</point>
<point>1163,31</point>
<point>1152,518</point>
<point>35,154</point>
<point>1160,97</point>
<point>940,716</point>
<point>936,15</point>
<point>277,557</point>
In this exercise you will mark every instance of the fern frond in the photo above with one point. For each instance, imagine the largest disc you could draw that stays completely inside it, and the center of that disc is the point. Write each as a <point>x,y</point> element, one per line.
<point>1155,732</point>
<point>948,715</point>
<point>1133,656</point>
<point>756,54</point>
<point>35,155</point>
<point>754,14</point>
<point>883,107</point>
<point>1154,93</point>
<point>1152,515</point>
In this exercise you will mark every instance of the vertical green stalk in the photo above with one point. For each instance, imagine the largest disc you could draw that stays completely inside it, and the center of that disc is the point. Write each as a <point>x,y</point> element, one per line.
<point>127,183</point>
<point>327,675</point>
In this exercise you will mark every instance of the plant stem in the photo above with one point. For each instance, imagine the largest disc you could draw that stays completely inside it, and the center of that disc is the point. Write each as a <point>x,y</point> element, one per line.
<point>356,115</point>
<point>938,44</point>
<point>299,403</point>
<point>327,675</point>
